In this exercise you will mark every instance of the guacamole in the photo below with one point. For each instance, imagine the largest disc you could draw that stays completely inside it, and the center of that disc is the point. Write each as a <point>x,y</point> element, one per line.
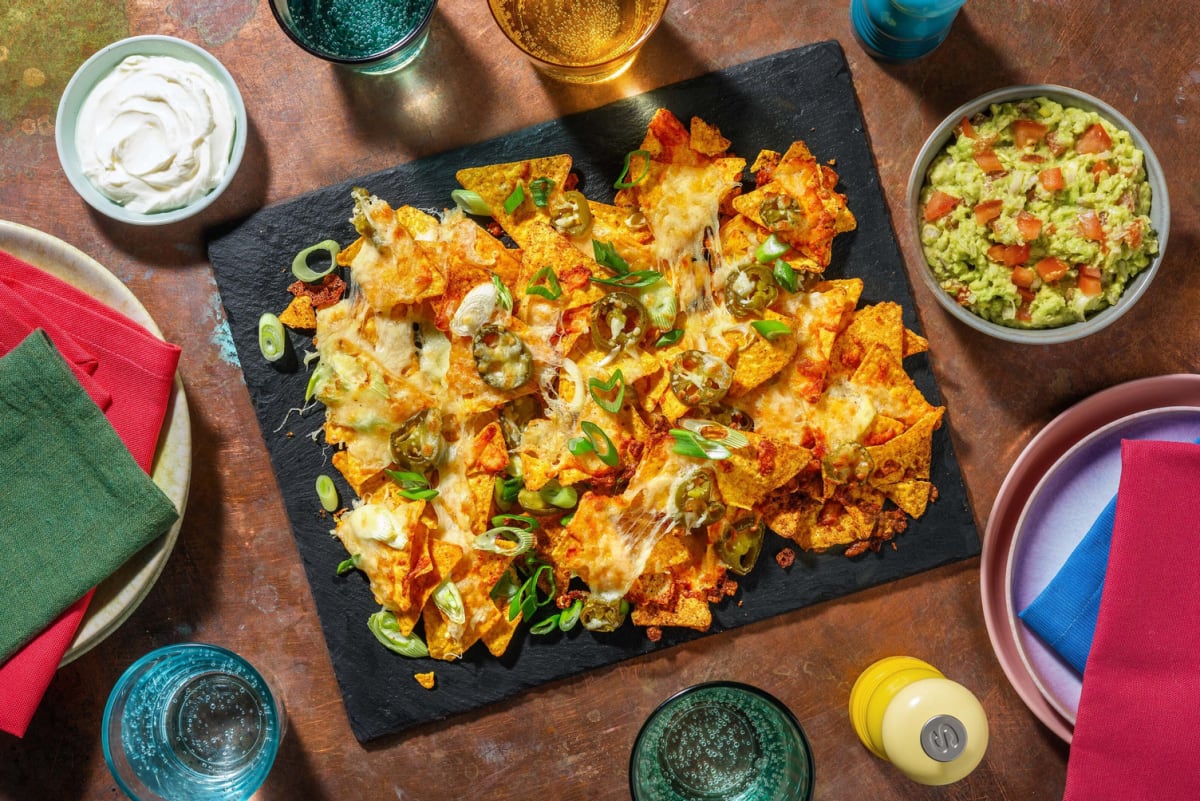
<point>1036,214</point>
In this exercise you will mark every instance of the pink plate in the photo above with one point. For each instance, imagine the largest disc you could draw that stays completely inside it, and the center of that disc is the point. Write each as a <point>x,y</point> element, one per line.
<point>1042,452</point>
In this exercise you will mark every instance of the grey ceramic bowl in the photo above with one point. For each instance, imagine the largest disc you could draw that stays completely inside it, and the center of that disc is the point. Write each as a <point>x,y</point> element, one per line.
<point>101,64</point>
<point>1160,213</point>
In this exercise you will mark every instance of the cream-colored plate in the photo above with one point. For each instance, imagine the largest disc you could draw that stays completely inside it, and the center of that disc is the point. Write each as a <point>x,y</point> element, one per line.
<point>119,595</point>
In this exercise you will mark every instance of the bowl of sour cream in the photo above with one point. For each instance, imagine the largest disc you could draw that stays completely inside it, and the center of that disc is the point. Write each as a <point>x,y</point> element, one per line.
<point>151,130</point>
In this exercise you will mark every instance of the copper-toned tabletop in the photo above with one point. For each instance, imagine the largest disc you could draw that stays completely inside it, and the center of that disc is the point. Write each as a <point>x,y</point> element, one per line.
<point>235,577</point>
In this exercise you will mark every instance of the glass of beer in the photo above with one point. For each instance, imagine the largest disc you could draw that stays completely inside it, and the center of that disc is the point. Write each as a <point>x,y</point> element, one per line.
<point>579,41</point>
<point>191,722</point>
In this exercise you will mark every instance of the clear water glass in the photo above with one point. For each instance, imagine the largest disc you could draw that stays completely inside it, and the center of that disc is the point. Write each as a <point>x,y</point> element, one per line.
<point>721,741</point>
<point>902,30</point>
<point>191,722</point>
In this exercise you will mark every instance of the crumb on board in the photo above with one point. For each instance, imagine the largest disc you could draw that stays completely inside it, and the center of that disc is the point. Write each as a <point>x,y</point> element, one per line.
<point>426,680</point>
<point>786,558</point>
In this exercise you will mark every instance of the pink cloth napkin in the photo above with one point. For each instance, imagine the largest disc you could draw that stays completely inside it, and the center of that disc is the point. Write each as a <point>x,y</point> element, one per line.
<point>1138,713</point>
<point>130,374</point>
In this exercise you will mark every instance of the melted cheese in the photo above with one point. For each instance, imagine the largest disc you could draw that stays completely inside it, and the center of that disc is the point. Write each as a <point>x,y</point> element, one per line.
<point>373,521</point>
<point>694,195</point>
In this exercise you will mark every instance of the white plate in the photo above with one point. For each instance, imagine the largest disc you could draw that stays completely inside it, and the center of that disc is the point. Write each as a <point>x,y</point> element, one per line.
<point>119,595</point>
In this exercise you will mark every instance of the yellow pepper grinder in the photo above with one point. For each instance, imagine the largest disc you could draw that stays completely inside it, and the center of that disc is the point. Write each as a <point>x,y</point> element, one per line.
<point>907,713</point>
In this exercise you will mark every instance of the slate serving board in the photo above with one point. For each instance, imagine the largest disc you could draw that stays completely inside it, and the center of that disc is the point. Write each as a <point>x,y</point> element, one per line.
<point>806,93</point>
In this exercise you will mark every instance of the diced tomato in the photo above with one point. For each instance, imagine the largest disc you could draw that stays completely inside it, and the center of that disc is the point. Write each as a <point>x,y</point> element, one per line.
<point>1094,140</point>
<point>987,211</point>
<point>940,204</point>
<point>968,130</point>
<point>1090,227</point>
<point>1089,280</point>
<point>1023,277</point>
<point>1052,179</point>
<point>1102,167</point>
<point>1051,269</point>
<point>1056,147</point>
<point>988,161</point>
<point>1011,255</point>
<point>1030,225</point>
<point>1032,158</point>
<point>1134,235</point>
<point>1025,310</point>
<point>1028,132</point>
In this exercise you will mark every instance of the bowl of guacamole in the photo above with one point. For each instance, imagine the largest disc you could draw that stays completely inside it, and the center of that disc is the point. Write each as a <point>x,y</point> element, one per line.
<point>1041,212</point>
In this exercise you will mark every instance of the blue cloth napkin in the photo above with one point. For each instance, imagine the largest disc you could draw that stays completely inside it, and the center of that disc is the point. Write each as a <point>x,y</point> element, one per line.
<point>1064,613</point>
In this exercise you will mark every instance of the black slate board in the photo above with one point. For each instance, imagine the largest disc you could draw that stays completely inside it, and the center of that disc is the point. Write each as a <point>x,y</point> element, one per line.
<point>806,93</point>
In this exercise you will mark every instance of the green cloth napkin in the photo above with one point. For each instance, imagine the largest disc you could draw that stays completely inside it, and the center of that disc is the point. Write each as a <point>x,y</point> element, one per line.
<point>74,505</point>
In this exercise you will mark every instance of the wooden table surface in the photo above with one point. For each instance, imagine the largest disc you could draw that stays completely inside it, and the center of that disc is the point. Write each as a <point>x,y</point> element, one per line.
<point>235,577</point>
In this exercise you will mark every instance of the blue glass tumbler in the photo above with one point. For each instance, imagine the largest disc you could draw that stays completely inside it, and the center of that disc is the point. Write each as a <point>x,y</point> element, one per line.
<point>902,30</point>
<point>191,722</point>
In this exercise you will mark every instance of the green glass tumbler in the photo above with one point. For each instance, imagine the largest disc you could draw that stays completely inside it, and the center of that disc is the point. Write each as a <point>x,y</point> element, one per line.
<point>721,741</point>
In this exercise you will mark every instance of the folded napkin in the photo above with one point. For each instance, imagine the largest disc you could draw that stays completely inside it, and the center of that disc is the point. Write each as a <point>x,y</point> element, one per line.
<point>76,505</point>
<point>1064,613</point>
<point>130,373</point>
<point>1135,729</point>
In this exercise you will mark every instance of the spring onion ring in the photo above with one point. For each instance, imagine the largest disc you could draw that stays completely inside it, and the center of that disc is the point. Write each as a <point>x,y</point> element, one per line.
<point>471,202</point>
<point>301,268</point>
<point>327,492</point>
<point>272,339</point>
<point>504,540</point>
<point>386,628</point>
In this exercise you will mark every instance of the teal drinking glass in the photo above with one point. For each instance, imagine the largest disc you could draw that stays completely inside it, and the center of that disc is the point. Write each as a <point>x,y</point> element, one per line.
<point>368,36</point>
<point>721,741</point>
<point>902,30</point>
<point>191,722</point>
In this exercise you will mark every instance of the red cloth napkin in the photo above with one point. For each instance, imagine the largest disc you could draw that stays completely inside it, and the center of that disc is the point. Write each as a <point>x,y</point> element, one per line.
<point>130,374</point>
<point>1138,714</point>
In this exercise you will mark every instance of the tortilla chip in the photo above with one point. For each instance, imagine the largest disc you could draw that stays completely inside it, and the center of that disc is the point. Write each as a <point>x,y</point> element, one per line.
<point>706,139</point>
<point>908,456</point>
<point>764,358</point>
<point>496,183</point>
<point>751,472</point>
<point>685,612</point>
<point>426,680</point>
<point>890,388</point>
<point>300,314</point>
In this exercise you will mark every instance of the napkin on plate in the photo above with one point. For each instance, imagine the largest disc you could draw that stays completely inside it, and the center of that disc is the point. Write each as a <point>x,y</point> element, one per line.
<point>1064,613</point>
<point>76,505</point>
<point>1135,728</point>
<point>124,368</point>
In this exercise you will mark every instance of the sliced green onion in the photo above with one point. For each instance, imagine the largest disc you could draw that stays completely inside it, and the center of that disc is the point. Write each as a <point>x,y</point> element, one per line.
<point>669,338</point>
<point>327,492</point>
<point>413,486</point>
<point>508,585</point>
<point>607,255</point>
<point>594,440</point>
<point>697,447</point>
<point>307,274</point>
<point>565,520</point>
<point>506,490</point>
<point>661,304</point>
<point>527,522</point>
<point>471,202</point>
<point>272,339</point>
<point>504,540</point>
<point>313,380</point>
<point>539,190</point>
<point>386,628</point>
<point>502,294</point>
<point>708,429</point>
<point>550,290</point>
<point>346,565</point>
<point>634,280</point>
<point>545,626</point>
<point>570,616</point>
<point>622,182</point>
<point>527,601</point>
<point>771,249</point>
<point>559,496</point>
<point>608,395</point>
<point>514,200</point>
<point>770,329</point>
<point>785,275</point>
<point>449,600</point>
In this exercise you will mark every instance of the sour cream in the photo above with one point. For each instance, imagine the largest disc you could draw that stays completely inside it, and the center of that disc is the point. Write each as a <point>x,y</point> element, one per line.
<point>155,134</point>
